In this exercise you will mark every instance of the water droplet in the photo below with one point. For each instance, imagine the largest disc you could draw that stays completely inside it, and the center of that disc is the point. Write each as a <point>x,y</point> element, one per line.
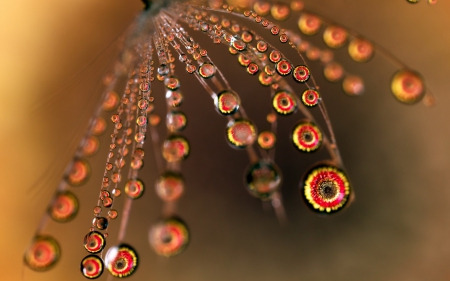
<point>111,101</point>
<point>79,172</point>
<point>301,73</point>
<point>141,121</point>
<point>121,260</point>
<point>107,202</point>
<point>284,67</point>
<point>100,223</point>
<point>265,79</point>
<point>307,137</point>
<point>333,72</point>
<point>262,7</point>
<point>266,140</point>
<point>284,102</point>
<point>112,214</point>
<point>408,86</point>
<point>94,242</point>
<point>326,189</point>
<point>116,192</point>
<point>310,97</point>
<point>169,237</point>
<point>176,121</point>
<point>244,60</point>
<point>275,56</point>
<point>252,68</point>
<point>43,253</point>
<point>99,126</point>
<point>297,5</point>
<point>170,186</point>
<point>175,148</point>
<point>64,207</point>
<point>227,102</point>
<point>207,70</point>
<point>246,36</point>
<point>261,46</point>
<point>174,98</point>
<point>432,2</point>
<point>172,83</point>
<point>413,1</point>
<point>280,11</point>
<point>137,163</point>
<point>90,146</point>
<point>353,85</point>
<point>134,188</point>
<point>360,50</point>
<point>309,24</point>
<point>262,179</point>
<point>335,36</point>
<point>241,133</point>
<point>92,267</point>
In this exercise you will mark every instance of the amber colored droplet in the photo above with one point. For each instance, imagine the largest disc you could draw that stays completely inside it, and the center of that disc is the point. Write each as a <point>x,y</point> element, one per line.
<point>335,36</point>
<point>280,11</point>
<point>333,72</point>
<point>353,85</point>
<point>297,5</point>
<point>266,139</point>
<point>309,24</point>
<point>408,86</point>
<point>360,50</point>
<point>154,119</point>
<point>271,117</point>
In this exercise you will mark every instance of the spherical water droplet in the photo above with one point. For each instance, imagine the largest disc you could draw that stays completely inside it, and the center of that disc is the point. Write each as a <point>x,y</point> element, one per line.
<point>111,101</point>
<point>241,133</point>
<point>43,253</point>
<point>280,11</point>
<point>301,73</point>
<point>100,223</point>
<point>175,148</point>
<point>413,1</point>
<point>141,121</point>
<point>262,7</point>
<point>176,121</point>
<point>284,102</point>
<point>207,70</point>
<point>121,260</point>
<point>97,210</point>
<point>307,137</point>
<point>297,5</point>
<point>137,163</point>
<point>244,60</point>
<point>284,67</point>
<point>227,102</point>
<point>360,50</point>
<point>64,207</point>
<point>310,97</point>
<point>353,85</point>
<point>333,72</point>
<point>107,202</point>
<point>252,68</point>
<point>265,79</point>
<point>116,192</point>
<point>266,140</point>
<point>335,36</point>
<point>92,267</point>
<point>263,179</point>
<point>90,146</point>
<point>170,186</point>
<point>326,189</point>
<point>163,69</point>
<point>432,2</point>
<point>134,188</point>
<point>99,126</point>
<point>169,237</point>
<point>408,86</point>
<point>275,56</point>
<point>79,172</point>
<point>309,24</point>
<point>172,83</point>
<point>94,242</point>
<point>174,98</point>
<point>247,36</point>
<point>112,214</point>
<point>261,46</point>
